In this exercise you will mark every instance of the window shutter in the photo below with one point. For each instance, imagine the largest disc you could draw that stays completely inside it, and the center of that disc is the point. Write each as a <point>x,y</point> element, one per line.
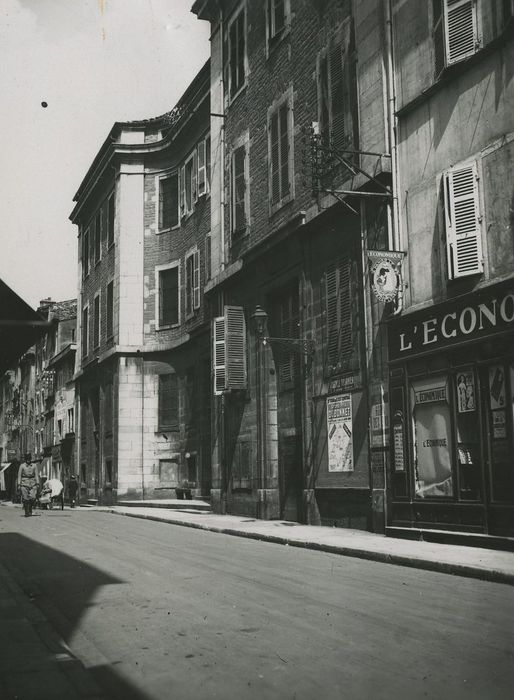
<point>339,313</point>
<point>235,355</point>
<point>208,163</point>
<point>196,279</point>
<point>461,30</point>
<point>194,178</point>
<point>337,94</point>
<point>168,402</point>
<point>202,179</point>
<point>284,150</point>
<point>438,36</point>
<point>219,354</point>
<point>462,215</point>
<point>182,190</point>
<point>275,175</point>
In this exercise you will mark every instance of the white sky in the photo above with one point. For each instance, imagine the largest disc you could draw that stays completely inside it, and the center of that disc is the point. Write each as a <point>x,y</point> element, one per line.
<point>94,62</point>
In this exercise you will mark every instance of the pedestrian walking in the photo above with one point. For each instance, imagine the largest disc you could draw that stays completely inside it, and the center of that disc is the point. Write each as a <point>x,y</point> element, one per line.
<point>28,483</point>
<point>73,487</point>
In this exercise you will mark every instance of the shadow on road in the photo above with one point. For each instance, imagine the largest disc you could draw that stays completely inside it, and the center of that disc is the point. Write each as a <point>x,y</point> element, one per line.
<point>62,588</point>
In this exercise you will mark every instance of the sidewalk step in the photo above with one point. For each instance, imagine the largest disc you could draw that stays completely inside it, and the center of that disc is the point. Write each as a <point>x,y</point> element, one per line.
<point>171,504</point>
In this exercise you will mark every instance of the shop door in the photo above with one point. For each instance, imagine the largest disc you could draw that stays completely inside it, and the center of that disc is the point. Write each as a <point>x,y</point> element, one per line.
<point>498,382</point>
<point>291,478</point>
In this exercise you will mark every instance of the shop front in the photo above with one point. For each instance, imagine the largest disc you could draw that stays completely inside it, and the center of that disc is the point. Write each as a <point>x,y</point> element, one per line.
<point>452,421</point>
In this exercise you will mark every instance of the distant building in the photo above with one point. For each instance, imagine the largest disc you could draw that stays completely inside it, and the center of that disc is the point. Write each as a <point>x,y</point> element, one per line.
<point>143,359</point>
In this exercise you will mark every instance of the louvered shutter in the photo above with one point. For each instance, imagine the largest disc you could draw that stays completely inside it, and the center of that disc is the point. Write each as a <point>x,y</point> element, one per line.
<point>275,173</point>
<point>339,314</point>
<point>196,279</point>
<point>461,29</point>
<point>284,150</point>
<point>235,354</point>
<point>202,180</point>
<point>218,353</point>
<point>238,190</point>
<point>337,94</point>
<point>462,214</point>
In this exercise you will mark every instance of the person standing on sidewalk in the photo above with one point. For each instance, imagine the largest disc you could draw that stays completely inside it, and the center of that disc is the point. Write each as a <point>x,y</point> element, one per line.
<point>28,483</point>
<point>73,487</point>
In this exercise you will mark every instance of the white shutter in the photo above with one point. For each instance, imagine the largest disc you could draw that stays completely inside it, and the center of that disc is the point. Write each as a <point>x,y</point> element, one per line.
<point>202,177</point>
<point>235,356</point>
<point>219,355</point>
<point>461,35</point>
<point>196,279</point>
<point>462,214</point>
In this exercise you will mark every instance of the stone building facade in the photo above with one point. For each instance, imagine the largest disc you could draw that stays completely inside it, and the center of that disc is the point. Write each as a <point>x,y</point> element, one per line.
<point>142,369</point>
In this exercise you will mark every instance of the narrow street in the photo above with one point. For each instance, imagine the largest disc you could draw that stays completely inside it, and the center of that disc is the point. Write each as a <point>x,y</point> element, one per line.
<point>160,611</point>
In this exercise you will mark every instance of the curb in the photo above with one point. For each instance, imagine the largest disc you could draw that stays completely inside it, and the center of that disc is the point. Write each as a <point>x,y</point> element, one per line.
<point>465,570</point>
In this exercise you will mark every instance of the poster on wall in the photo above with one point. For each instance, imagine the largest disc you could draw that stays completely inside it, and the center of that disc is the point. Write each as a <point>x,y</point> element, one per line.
<point>496,387</point>
<point>339,433</point>
<point>466,401</point>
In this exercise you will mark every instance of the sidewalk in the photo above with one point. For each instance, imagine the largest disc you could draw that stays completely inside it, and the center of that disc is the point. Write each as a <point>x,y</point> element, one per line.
<point>473,562</point>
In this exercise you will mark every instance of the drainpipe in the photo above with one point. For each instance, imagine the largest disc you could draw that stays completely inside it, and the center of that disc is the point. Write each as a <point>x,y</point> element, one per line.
<point>393,215</point>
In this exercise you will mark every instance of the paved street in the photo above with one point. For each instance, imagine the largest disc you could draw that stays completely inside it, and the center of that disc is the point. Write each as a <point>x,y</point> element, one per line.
<point>160,611</point>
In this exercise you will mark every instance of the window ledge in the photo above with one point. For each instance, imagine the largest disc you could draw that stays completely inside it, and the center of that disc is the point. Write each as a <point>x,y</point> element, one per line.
<point>169,229</point>
<point>233,98</point>
<point>274,208</point>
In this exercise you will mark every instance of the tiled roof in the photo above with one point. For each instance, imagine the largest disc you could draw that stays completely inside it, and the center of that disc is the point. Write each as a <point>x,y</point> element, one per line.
<point>63,310</point>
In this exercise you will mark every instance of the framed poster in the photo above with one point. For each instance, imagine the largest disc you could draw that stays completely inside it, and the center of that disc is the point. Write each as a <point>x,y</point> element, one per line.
<point>496,387</point>
<point>339,433</point>
<point>466,397</point>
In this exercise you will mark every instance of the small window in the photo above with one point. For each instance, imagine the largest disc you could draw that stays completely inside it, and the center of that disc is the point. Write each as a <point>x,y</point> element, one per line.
<point>192,282</point>
<point>238,190</point>
<point>85,332</point>
<point>85,253</point>
<point>203,184</point>
<point>168,296</point>
<point>98,236</point>
<point>168,402</point>
<point>168,202</point>
<point>237,52</point>
<point>278,15</point>
<point>110,310</point>
<point>463,221</point>
<point>96,322</point>
<point>188,184</point>
<point>111,211</point>
<point>280,154</point>
<point>71,424</point>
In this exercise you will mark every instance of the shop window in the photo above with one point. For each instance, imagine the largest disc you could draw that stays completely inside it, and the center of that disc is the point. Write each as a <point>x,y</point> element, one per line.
<point>462,219</point>
<point>455,31</point>
<point>500,384</point>
<point>432,444</point>
<point>468,435</point>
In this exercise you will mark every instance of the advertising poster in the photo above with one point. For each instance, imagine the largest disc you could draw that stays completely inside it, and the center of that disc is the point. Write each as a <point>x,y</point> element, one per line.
<point>465,392</point>
<point>496,387</point>
<point>339,433</point>
<point>379,417</point>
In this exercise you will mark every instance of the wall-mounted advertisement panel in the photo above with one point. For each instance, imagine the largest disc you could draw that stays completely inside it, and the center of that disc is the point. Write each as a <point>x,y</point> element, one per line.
<point>339,433</point>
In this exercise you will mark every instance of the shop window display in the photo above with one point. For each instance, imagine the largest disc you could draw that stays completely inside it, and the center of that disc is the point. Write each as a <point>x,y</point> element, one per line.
<point>431,418</point>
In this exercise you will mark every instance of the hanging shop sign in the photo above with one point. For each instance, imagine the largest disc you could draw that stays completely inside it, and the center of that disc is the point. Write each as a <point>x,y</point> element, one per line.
<point>339,433</point>
<point>385,273</point>
<point>470,317</point>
